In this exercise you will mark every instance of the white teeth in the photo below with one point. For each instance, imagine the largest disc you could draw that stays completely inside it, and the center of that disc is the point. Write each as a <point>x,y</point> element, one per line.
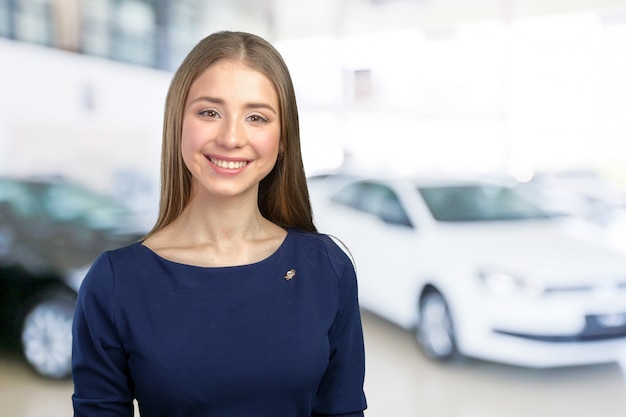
<point>229,164</point>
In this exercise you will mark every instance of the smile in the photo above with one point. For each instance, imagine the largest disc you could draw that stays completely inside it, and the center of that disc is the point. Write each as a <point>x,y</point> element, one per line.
<point>228,164</point>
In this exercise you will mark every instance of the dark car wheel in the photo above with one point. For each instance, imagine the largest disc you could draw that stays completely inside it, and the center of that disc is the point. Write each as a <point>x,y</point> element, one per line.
<point>46,333</point>
<point>435,330</point>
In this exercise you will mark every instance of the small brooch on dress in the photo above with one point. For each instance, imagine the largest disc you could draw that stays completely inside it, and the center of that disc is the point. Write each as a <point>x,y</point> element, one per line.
<point>290,274</point>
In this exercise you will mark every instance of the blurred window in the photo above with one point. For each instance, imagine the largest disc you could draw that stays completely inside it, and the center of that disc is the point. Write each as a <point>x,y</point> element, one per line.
<point>479,203</point>
<point>63,202</point>
<point>33,22</point>
<point>70,203</point>
<point>134,33</point>
<point>153,33</point>
<point>97,17</point>
<point>121,30</point>
<point>19,197</point>
<point>6,25</point>
<point>376,199</point>
<point>180,19</point>
<point>349,196</point>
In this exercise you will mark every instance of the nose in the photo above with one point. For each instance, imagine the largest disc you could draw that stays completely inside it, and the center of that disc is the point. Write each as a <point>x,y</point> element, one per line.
<point>232,134</point>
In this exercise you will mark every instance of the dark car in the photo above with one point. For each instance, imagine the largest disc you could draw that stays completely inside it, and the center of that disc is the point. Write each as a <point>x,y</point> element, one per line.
<point>50,233</point>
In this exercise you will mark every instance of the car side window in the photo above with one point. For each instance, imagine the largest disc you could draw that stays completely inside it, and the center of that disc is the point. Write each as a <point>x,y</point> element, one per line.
<point>375,199</point>
<point>348,196</point>
<point>387,206</point>
<point>18,199</point>
<point>68,203</point>
<point>392,211</point>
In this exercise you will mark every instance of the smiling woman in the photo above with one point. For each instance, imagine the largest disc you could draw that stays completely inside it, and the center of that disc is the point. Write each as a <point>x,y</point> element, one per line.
<point>230,122</point>
<point>206,315</point>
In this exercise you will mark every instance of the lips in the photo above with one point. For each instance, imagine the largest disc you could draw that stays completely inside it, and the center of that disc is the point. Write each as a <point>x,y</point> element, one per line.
<point>228,164</point>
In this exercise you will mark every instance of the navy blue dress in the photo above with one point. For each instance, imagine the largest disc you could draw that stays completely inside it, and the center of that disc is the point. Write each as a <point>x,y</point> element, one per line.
<point>277,338</point>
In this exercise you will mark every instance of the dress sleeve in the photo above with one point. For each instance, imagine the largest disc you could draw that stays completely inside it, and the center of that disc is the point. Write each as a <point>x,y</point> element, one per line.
<point>102,386</point>
<point>340,392</point>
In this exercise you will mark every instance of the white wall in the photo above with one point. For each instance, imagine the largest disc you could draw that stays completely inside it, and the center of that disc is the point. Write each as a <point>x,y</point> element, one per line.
<point>540,93</point>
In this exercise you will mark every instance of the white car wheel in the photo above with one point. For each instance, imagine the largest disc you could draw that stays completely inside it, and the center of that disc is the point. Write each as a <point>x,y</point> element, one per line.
<point>47,335</point>
<point>435,330</point>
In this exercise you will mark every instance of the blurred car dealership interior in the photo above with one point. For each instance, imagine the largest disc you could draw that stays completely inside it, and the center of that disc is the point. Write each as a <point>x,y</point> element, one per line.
<point>485,139</point>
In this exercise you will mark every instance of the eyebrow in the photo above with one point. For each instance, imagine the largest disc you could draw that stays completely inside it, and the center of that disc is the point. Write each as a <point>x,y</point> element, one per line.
<point>252,105</point>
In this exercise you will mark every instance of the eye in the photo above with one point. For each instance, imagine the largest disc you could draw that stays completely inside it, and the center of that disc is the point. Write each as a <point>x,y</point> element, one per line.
<point>209,113</point>
<point>256,118</point>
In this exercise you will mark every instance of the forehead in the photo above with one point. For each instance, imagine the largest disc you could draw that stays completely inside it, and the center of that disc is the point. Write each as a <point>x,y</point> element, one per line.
<point>233,77</point>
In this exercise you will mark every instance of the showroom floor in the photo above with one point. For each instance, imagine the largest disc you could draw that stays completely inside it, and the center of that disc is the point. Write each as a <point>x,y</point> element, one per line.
<point>400,383</point>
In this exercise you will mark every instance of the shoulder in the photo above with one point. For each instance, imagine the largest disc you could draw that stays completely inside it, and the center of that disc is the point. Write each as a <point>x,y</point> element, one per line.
<point>315,240</point>
<point>125,253</point>
<point>124,256</point>
<point>328,259</point>
<point>318,247</point>
<point>103,269</point>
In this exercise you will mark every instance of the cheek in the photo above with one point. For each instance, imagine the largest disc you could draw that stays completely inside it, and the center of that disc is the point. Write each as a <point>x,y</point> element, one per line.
<point>271,143</point>
<point>188,143</point>
<point>187,134</point>
<point>193,130</point>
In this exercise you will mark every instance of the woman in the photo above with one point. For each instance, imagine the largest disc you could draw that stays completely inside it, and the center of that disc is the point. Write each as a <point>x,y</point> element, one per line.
<point>233,305</point>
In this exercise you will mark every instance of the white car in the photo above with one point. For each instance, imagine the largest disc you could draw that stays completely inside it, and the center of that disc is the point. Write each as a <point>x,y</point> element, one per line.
<point>476,270</point>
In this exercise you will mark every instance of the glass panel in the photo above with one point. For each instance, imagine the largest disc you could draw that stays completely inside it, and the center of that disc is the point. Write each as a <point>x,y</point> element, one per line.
<point>70,203</point>
<point>154,33</point>
<point>96,16</point>
<point>391,209</point>
<point>134,36</point>
<point>5,19</point>
<point>478,203</point>
<point>33,21</point>
<point>181,22</point>
<point>349,196</point>
<point>19,198</point>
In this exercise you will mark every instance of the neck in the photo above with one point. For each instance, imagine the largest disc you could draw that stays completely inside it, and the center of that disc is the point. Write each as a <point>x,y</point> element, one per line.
<point>211,220</point>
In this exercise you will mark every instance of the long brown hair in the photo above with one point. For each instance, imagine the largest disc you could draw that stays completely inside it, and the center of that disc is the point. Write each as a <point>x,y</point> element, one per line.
<point>283,193</point>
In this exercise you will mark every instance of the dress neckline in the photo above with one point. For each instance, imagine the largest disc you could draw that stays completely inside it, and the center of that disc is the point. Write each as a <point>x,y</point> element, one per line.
<point>274,254</point>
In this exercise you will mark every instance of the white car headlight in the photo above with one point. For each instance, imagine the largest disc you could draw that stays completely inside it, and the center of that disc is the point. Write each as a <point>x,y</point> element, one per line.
<point>503,283</point>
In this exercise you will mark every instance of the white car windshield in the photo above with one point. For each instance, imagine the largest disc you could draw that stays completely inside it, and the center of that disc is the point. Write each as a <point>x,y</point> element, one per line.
<point>473,203</point>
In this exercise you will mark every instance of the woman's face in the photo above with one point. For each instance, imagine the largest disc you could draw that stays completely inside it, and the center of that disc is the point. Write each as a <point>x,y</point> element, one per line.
<point>231,129</point>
